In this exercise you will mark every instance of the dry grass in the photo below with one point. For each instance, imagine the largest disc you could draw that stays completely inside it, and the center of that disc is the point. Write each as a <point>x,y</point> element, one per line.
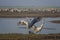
<point>24,14</point>
<point>29,36</point>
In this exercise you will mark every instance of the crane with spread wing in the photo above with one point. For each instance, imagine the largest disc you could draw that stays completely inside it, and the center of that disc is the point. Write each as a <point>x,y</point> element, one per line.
<point>30,25</point>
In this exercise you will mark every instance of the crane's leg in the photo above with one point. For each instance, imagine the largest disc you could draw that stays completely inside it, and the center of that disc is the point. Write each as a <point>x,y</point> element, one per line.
<point>30,32</point>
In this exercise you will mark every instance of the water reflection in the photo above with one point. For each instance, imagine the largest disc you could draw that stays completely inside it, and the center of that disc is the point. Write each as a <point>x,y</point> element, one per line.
<point>9,25</point>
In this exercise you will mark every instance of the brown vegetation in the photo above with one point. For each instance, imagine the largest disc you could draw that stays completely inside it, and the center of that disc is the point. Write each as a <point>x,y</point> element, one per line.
<point>29,36</point>
<point>4,14</point>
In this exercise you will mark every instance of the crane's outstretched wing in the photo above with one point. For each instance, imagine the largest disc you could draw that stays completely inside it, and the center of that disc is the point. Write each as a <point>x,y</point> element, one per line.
<point>22,22</point>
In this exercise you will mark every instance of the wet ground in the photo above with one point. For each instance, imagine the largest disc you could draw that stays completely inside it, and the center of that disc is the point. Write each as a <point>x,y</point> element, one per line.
<point>29,36</point>
<point>55,21</point>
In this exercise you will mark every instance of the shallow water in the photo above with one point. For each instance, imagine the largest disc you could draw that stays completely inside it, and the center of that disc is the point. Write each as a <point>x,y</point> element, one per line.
<point>9,25</point>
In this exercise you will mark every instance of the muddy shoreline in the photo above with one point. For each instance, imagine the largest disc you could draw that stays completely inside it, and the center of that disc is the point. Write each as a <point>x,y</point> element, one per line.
<point>19,15</point>
<point>55,21</point>
<point>29,36</point>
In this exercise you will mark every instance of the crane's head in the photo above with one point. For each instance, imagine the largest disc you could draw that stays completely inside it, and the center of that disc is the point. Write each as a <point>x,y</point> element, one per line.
<point>38,18</point>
